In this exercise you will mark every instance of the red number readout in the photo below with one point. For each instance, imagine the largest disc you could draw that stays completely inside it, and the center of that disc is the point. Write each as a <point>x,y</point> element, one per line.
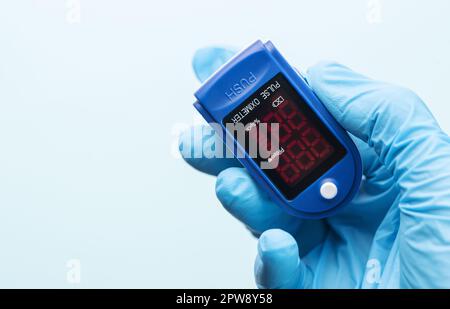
<point>305,148</point>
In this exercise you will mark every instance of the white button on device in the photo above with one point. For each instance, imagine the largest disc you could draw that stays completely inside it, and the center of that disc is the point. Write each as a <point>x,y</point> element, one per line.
<point>328,190</point>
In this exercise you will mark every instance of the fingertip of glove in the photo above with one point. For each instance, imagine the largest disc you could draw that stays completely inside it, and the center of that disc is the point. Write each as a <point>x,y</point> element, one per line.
<point>277,262</point>
<point>276,240</point>
<point>208,59</point>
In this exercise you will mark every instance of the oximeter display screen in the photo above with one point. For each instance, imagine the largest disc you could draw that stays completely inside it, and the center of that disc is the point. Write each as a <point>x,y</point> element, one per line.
<point>298,149</point>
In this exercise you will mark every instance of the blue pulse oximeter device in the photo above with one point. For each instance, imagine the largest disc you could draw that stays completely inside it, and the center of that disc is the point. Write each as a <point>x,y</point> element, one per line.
<point>318,168</point>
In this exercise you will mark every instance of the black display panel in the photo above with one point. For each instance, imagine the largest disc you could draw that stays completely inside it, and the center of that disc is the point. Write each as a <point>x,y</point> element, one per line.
<point>306,148</point>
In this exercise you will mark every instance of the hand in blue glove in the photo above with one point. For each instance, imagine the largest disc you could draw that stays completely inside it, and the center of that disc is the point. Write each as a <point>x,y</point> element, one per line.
<point>396,231</point>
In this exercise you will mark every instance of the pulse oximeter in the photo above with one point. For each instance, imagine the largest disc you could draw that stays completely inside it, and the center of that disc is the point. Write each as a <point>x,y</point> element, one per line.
<point>319,168</point>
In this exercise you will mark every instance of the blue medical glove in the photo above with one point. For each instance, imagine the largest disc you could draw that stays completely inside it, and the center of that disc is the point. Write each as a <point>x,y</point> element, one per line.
<point>396,231</point>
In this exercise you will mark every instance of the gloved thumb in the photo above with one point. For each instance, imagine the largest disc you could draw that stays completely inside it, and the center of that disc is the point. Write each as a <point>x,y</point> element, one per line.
<point>278,265</point>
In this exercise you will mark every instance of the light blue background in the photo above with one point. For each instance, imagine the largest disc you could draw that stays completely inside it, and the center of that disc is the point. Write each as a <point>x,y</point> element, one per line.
<point>89,113</point>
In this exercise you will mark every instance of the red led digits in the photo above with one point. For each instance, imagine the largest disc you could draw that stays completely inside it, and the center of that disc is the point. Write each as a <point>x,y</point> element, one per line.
<point>305,148</point>
<point>301,147</point>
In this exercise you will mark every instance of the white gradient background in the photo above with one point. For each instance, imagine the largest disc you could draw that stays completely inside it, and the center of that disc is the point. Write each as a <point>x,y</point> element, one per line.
<point>88,113</point>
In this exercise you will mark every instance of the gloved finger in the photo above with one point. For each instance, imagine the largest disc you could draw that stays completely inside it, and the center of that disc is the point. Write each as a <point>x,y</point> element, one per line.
<point>369,158</point>
<point>278,265</point>
<point>377,177</point>
<point>207,60</point>
<point>378,190</point>
<point>243,199</point>
<point>203,150</point>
